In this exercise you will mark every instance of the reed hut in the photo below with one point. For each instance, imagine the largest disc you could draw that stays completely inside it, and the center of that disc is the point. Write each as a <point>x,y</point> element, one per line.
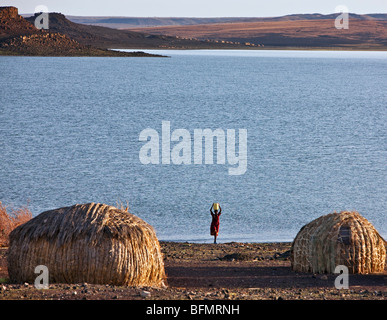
<point>92,243</point>
<point>344,238</point>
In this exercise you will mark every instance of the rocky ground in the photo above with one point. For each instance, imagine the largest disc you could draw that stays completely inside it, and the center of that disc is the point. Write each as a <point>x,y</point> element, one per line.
<point>58,45</point>
<point>229,271</point>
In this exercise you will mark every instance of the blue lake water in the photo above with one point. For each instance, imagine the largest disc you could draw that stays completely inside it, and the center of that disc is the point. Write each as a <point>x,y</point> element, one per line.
<point>316,137</point>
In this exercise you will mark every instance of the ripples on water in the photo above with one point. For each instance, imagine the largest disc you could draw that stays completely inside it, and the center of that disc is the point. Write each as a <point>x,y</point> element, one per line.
<point>316,125</point>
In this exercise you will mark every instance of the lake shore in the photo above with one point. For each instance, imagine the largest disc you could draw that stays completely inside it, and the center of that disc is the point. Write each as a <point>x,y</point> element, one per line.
<point>225,271</point>
<point>88,52</point>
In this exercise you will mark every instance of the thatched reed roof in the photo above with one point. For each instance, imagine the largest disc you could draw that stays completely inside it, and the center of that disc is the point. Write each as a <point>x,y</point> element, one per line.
<point>93,243</point>
<point>344,238</point>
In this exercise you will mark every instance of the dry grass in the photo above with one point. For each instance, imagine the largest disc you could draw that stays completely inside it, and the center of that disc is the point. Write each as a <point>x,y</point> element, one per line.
<point>93,243</point>
<point>10,218</point>
<point>123,207</point>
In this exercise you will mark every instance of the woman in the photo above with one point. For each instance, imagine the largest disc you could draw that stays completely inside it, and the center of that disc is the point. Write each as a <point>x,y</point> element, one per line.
<point>215,220</point>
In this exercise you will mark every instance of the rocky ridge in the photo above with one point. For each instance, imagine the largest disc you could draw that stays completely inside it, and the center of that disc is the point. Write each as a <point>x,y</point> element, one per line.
<point>20,37</point>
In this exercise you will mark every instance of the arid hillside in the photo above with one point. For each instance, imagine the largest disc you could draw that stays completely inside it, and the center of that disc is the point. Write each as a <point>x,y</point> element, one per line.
<point>109,38</point>
<point>362,33</point>
<point>142,22</point>
<point>308,31</point>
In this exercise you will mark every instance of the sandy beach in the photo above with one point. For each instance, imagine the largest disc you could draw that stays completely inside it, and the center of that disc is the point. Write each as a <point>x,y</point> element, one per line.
<point>224,271</point>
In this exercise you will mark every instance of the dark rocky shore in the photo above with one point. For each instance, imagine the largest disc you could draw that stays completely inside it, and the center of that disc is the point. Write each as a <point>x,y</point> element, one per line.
<point>229,271</point>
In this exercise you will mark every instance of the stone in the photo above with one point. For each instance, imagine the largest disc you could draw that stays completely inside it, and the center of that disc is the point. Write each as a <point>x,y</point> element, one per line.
<point>145,294</point>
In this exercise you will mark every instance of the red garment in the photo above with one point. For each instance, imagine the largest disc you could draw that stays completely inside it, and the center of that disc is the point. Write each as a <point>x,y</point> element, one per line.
<point>215,224</point>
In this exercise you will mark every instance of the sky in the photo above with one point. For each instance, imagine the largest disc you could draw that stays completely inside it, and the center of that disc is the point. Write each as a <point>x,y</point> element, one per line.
<point>196,8</point>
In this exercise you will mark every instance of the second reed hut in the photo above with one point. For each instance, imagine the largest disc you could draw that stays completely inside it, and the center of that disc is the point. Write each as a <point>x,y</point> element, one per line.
<point>344,238</point>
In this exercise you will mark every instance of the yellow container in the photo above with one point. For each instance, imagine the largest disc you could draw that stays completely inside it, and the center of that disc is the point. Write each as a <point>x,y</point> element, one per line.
<point>215,206</point>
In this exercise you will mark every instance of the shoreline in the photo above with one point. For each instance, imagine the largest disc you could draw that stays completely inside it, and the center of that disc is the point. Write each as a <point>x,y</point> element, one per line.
<point>223,271</point>
<point>377,49</point>
<point>98,54</point>
<point>140,52</point>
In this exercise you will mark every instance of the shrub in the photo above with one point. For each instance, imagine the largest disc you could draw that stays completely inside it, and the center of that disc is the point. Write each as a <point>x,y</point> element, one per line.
<point>10,218</point>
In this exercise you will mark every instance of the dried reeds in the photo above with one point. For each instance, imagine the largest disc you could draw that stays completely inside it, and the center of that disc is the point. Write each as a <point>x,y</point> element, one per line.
<point>10,218</point>
<point>344,238</point>
<point>93,243</point>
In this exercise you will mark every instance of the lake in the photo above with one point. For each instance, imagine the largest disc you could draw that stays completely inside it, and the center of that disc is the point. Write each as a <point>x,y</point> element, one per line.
<point>316,138</point>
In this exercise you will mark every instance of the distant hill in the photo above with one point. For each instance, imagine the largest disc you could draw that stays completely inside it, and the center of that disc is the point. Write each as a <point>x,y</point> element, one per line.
<point>367,31</point>
<point>305,31</point>
<point>103,37</point>
<point>141,22</point>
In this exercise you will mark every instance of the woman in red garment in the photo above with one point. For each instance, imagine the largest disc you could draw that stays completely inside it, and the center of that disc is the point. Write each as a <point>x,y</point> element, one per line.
<point>215,220</point>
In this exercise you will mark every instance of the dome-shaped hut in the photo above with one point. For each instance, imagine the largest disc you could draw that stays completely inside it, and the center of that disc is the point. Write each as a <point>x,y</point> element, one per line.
<point>344,238</point>
<point>92,243</point>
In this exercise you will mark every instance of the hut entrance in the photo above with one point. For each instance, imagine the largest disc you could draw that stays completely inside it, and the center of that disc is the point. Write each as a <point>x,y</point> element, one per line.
<point>345,234</point>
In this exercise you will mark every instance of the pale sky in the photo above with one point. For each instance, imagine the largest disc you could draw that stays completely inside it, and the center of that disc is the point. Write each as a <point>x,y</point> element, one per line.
<point>196,8</point>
